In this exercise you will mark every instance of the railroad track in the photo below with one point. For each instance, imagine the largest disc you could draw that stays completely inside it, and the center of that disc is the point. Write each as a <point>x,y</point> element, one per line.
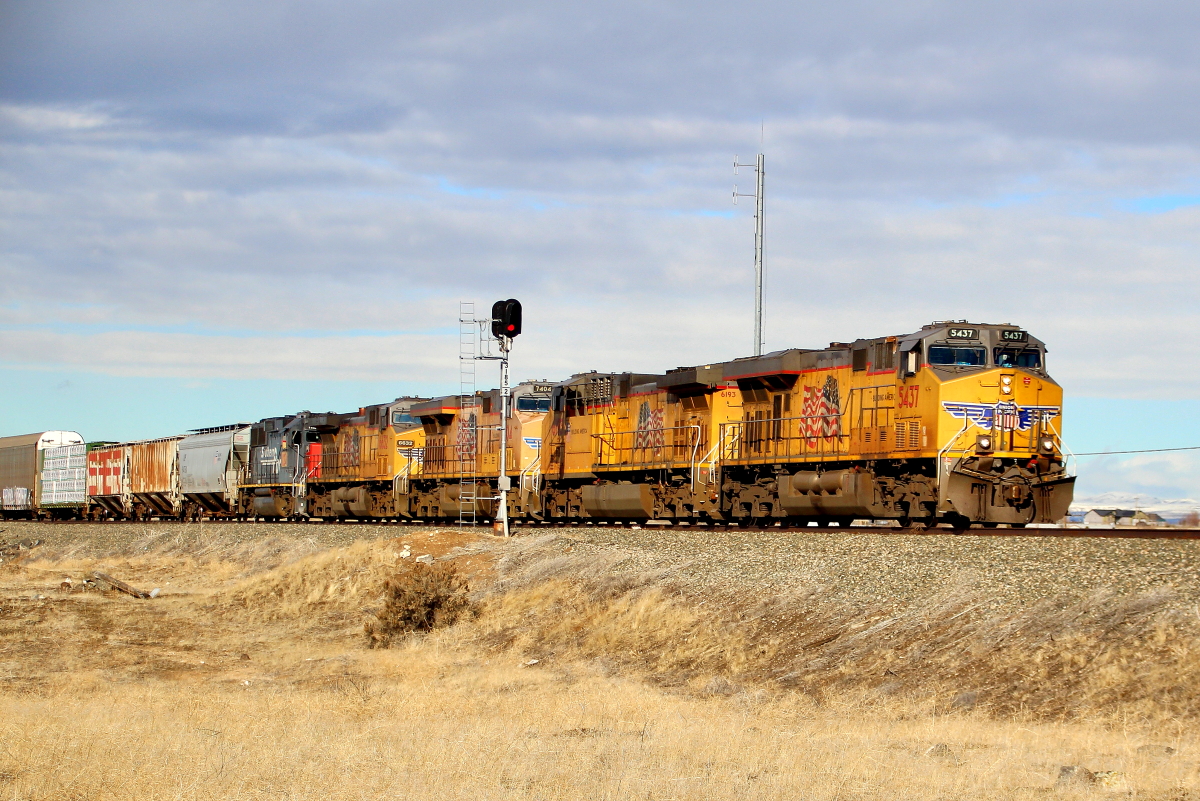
<point>529,527</point>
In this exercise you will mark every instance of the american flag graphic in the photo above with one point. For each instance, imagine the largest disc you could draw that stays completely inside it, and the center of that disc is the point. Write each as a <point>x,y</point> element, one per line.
<point>466,437</point>
<point>650,428</point>
<point>822,412</point>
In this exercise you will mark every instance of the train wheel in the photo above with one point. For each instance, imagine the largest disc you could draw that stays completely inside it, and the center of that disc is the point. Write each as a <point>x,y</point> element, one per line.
<point>959,523</point>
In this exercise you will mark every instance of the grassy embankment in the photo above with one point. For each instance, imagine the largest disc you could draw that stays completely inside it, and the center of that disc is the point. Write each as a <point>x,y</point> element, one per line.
<point>250,678</point>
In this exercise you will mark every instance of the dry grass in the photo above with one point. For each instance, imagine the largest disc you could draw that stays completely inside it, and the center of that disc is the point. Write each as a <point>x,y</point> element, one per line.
<point>1102,658</point>
<point>249,678</point>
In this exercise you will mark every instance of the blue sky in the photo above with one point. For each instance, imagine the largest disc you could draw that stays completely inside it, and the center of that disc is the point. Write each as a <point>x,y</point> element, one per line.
<point>225,210</point>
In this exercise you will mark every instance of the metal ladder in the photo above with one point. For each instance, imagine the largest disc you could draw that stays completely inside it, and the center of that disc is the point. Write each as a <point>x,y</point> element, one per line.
<point>468,434</point>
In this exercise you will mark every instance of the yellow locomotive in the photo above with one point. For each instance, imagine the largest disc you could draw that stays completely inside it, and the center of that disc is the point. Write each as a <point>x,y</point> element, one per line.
<point>462,453</point>
<point>957,423</point>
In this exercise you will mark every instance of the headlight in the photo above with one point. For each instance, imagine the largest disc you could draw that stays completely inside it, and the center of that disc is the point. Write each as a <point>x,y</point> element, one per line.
<point>983,443</point>
<point>1047,445</point>
<point>1006,380</point>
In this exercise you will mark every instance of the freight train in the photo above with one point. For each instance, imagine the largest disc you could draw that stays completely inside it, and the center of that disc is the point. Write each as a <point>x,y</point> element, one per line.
<point>957,424</point>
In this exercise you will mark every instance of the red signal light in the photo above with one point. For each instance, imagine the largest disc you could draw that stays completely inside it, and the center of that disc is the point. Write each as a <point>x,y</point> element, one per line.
<point>506,318</point>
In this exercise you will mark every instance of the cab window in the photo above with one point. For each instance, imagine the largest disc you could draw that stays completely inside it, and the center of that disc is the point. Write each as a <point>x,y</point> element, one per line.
<point>528,403</point>
<point>958,356</point>
<point>1010,357</point>
<point>401,417</point>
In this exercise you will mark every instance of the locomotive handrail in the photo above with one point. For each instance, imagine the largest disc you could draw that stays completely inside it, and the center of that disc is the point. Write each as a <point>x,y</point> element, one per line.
<point>750,445</point>
<point>299,492</point>
<point>715,455</point>
<point>711,459</point>
<point>656,445</point>
<point>862,407</point>
<point>1067,448</point>
<point>692,466</point>
<point>402,477</point>
<point>946,448</point>
<point>444,457</point>
<point>528,480</point>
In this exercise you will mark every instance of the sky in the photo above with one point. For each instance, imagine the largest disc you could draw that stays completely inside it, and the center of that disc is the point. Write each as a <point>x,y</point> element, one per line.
<point>220,211</point>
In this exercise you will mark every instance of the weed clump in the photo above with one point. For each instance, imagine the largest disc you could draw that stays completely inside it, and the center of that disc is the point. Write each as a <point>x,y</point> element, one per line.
<point>419,597</point>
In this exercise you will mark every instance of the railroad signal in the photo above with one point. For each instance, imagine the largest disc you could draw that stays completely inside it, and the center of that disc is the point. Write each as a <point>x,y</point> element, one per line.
<point>506,318</point>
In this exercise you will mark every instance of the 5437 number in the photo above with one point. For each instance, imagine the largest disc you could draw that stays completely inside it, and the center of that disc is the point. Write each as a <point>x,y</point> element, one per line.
<point>908,396</point>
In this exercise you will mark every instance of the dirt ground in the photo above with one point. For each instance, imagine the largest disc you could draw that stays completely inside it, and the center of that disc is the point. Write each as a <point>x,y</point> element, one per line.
<point>595,665</point>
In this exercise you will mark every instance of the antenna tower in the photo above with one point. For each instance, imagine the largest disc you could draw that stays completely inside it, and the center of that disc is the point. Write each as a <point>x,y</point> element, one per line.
<point>759,172</point>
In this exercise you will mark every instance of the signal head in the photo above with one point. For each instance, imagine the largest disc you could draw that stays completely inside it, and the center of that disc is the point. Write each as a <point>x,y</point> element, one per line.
<point>506,318</point>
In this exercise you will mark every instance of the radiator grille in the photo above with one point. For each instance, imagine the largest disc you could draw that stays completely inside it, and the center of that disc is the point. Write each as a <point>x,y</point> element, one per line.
<point>908,435</point>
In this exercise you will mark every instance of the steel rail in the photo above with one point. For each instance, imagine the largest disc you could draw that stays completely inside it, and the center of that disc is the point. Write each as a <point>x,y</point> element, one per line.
<point>524,525</point>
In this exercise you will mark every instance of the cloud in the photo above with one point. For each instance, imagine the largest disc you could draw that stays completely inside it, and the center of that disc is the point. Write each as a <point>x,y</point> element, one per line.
<point>1159,475</point>
<point>226,190</point>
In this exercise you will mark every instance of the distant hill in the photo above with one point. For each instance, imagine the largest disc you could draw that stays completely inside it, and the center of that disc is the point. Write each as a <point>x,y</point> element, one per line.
<point>1171,509</point>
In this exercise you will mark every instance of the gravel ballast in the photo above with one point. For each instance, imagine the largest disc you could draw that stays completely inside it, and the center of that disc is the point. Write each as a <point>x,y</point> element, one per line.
<point>853,566</point>
<point>896,569</point>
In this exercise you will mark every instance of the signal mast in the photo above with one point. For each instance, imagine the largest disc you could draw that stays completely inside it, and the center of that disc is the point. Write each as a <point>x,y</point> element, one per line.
<point>506,324</point>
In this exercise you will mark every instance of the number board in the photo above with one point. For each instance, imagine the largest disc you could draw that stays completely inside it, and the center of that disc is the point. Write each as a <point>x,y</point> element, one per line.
<point>1013,336</point>
<point>963,333</point>
<point>405,443</point>
<point>543,388</point>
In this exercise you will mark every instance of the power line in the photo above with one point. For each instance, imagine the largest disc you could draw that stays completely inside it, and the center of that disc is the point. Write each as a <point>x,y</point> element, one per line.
<point>1150,450</point>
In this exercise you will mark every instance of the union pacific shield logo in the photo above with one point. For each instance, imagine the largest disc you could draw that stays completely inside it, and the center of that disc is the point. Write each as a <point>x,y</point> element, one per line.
<point>1005,415</point>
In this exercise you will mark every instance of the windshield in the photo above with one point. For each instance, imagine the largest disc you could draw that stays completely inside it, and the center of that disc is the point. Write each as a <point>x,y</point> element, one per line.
<point>527,403</point>
<point>959,356</point>
<point>401,417</point>
<point>1010,357</point>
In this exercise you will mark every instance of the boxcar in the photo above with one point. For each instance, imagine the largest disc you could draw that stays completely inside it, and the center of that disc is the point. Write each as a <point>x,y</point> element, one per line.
<point>20,462</point>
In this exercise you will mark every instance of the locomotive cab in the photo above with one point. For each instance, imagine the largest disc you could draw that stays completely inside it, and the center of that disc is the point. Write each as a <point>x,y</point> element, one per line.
<point>996,426</point>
